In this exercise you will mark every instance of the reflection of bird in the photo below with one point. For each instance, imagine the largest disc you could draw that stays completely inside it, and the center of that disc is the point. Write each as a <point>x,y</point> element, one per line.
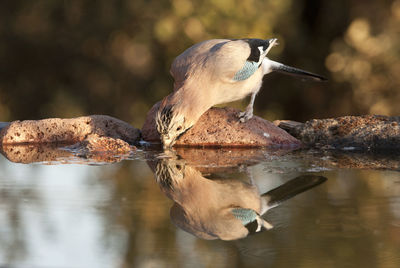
<point>221,208</point>
<point>214,72</point>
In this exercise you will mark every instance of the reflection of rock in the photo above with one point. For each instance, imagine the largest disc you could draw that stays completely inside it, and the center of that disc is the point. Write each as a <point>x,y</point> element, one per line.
<point>351,160</point>
<point>221,208</point>
<point>67,130</point>
<point>93,149</point>
<point>370,132</point>
<point>34,153</point>
<point>221,159</point>
<point>220,127</point>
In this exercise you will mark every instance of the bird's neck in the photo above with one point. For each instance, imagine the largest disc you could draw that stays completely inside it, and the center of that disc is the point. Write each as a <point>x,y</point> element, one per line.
<point>191,103</point>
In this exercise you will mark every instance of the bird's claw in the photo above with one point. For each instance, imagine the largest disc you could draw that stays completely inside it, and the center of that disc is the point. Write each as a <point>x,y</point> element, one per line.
<point>245,116</point>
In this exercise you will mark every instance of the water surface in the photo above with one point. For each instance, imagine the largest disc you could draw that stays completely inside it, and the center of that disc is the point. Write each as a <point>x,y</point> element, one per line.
<point>68,211</point>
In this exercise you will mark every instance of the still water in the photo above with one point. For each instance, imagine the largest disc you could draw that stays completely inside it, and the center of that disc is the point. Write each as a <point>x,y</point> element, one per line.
<point>195,208</point>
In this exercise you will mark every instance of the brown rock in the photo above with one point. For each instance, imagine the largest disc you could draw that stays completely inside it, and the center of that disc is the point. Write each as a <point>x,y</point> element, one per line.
<point>106,144</point>
<point>57,130</point>
<point>149,129</point>
<point>101,149</point>
<point>368,132</point>
<point>220,127</point>
<point>95,144</point>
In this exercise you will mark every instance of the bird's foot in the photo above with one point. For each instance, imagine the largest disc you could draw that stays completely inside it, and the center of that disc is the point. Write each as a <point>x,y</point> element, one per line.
<point>245,116</point>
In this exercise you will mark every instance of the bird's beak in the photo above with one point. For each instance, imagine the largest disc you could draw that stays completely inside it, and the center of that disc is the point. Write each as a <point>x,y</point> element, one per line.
<point>272,42</point>
<point>167,141</point>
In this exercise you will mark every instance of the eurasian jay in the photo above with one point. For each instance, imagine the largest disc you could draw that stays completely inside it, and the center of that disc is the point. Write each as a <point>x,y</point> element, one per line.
<point>221,208</point>
<point>214,72</point>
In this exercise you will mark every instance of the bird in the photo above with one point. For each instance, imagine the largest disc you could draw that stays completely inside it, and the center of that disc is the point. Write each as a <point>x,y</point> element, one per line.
<point>221,208</point>
<point>213,72</point>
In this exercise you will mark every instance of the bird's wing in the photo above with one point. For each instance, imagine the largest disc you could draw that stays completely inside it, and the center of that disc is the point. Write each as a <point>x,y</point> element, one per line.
<point>282,68</point>
<point>221,59</point>
<point>230,61</point>
<point>194,59</point>
<point>248,69</point>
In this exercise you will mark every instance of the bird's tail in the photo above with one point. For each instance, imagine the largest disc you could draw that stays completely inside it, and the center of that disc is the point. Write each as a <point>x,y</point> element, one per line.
<point>282,68</point>
<point>290,189</point>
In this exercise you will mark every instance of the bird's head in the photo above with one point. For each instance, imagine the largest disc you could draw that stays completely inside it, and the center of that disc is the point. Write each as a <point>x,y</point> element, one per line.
<point>259,48</point>
<point>171,124</point>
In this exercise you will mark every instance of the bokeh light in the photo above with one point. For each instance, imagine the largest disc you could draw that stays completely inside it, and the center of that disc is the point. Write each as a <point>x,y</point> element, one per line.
<point>72,58</point>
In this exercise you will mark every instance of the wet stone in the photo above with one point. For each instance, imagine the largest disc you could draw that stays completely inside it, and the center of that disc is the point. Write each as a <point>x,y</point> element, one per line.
<point>57,130</point>
<point>94,144</point>
<point>220,127</point>
<point>368,132</point>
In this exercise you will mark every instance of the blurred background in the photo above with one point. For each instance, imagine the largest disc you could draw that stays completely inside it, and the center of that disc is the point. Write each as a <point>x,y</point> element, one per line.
<point>79,57</point>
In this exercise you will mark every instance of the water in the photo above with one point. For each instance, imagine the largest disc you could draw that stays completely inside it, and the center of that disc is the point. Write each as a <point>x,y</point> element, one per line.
<point>68,211</point>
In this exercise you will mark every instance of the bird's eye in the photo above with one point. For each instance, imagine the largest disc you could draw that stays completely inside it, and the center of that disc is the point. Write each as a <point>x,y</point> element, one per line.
<point>178,167</point>
<point>178,128</point>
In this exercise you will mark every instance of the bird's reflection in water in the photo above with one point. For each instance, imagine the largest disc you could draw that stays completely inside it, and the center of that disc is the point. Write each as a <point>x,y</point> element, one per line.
<point>221,208</point>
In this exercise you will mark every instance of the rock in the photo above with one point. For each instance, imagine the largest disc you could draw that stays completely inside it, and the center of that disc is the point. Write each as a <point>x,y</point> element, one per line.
<point>149,129</point>
<point>94,143</point>
<point>103,149</point>
<point>368,132</point>
<point>220,127</point>
<point>57,130</point>
<point>98,138</point>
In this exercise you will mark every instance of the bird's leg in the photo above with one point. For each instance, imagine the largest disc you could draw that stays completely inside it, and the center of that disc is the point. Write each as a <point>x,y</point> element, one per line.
<point>248,113</point>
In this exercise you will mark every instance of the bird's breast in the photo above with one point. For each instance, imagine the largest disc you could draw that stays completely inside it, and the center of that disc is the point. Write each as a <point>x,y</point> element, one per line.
<point>234,90</point>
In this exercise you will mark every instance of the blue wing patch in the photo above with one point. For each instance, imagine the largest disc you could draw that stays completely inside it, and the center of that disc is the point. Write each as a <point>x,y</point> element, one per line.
<point>249,68</point>
<point>246,215</point>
